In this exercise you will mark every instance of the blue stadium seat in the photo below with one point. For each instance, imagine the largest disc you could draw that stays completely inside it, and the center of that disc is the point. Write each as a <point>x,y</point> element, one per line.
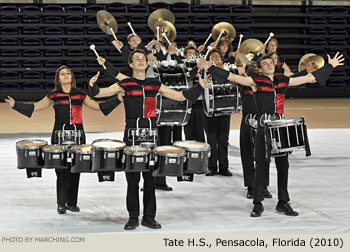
<point>116,7</point>
<point>201,20</point>
<point>53,41</point>
<point>92,63</point>
<point>52,63</point>
<point>92,20</point>
<point>100,52</point>
<point>74,8</point>
<point>9,19</point>
<point>31,75</point>
<point>319,51</point>
<point>121,20</point>
<point>182,20</point>
<point>9,86</point>
<point>112,52</point>
<point>31,42</point>
<point>180,7</point>
<point>141,30</point>
<point>242,20</point>
<point>316,31</point>
<point>333,51</point>
<point>338,10</point>
<point>53,31</point>
<point>140,19</point>
<point>75,41</point>
<point>94,31</point>
<point>118,63</point>
<point>30,8</point>
<point>52,8</point>
<point>223,8</point>
<point>96,41</point>
<point>337,30</point>
<point>242,9</point>
<point>121,30</point>
<point>137,8</point>
<point>95,8</point>
<point>31,85</point>
<point>317,41</point>
<point>9,30</point>
<point>183,31</point>
<point>9,63</point>
<point>336,20</point>
<point>74,19</point>
<point>53,53</point>
<point>316,10</point>
<point>52,20</point>
<point>336,83</point>
<point>244,31</point>
<point>49,85</point>
<point>9,75</point>
<point>8,8</point>
<point>78,74</point>
<point>75,53</point>
<point>31,63</point>
<point>31,53</point>
<point>200,8</point>
<point>75,31</point>
<point>201,31</point>
<point>316,20</point>
<point>76,63</point>
<point>49,75</point>
<point>337,41</point>
<point>219,19</point>
<point>32,30</point>
<point>158,5</point>
<point>9,42</point>
<point>9,53</point>
<point>32,19</point>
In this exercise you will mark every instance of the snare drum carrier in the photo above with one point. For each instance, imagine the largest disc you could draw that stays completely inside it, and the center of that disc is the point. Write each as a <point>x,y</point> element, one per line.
<point>174,76</point>
<point>222,98</point>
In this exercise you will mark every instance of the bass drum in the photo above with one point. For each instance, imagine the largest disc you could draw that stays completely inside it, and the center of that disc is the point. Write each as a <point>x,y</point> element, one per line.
<point>173,76</point>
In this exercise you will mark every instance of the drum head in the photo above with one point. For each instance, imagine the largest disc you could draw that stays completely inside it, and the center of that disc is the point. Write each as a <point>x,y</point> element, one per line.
<point>31,144</point>
<point>137,150</point>
<point>55,148</point>
<point>108,144</point>
<point>192,145</point>
<point>169,151</point>
<point>83,148</point>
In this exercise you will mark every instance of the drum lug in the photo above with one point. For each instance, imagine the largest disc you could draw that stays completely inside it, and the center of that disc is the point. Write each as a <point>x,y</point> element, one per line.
<point>118,154</point>
<point>25,153</point>
<point>105,155</point>
<point>123,159</point>
<point>133,159</point>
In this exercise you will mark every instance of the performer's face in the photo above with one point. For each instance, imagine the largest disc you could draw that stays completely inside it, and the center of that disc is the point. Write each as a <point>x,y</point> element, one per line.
<point>190,53</point>
<point>192,44</point>
<point>139,62</point>
<point>133,42</point>
<point>65,76</point>
<point>216,58</point>
<point>275,58</point>
<point>223,48</point>
<point>272,46</point>
<point>267,67</point>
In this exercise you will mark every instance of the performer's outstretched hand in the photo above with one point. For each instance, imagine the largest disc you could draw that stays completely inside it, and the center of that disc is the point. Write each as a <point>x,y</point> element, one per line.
<point>10,101</point>
<point>203,64</point>
<point>94,79</point>
<point>337,60</point>
<point>101,60</point>
<point>117,44</point>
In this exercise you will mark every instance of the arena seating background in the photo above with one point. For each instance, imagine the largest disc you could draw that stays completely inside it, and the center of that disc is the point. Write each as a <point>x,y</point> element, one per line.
<point>36,39</point>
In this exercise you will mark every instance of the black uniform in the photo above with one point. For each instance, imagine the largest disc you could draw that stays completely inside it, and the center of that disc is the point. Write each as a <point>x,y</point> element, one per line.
<point>68,111</point>
<point>270,101</point>
<point>140,102</point>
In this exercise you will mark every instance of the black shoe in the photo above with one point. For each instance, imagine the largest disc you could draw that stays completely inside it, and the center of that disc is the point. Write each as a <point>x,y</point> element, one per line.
<point>257,210</point>
<point>131,224</point>
<point>212,173</point>
<point>286,209</point>
<point>164,187</point>
<point>267,194</point>
<point>225,173</point>
<point>73,208</point>
<point>250,192</point>
<point>61,209</point>
<point>150,222</point>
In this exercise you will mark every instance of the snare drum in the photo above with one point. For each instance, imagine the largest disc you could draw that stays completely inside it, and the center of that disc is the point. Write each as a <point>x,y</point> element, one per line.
<point>136,158</point>
<point>55,156</point>
<point>169,161</point>
<point>197,156</point>
<point>287,135</point>
<point>170,112</point>
<point>107,155</point>
<point>29,153</point>
<point>81,158</point>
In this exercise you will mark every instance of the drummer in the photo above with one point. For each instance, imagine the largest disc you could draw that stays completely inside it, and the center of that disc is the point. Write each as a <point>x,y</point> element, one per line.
<point>269,95</point>
<point>67,101</point>
<point>140,103</point>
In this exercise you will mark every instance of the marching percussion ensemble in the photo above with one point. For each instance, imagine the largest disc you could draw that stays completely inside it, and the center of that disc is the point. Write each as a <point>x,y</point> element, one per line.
<point>168,86</point>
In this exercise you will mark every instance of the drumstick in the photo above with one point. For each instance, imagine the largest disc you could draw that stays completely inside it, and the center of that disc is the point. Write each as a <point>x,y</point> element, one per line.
<point>129,24</point>
<point>209,49</point>
<point>92,47</point>
<point>222,31</point>
<point>208,39</point>
<point>115,37</point>
<point>267,40</point>
<point>239,42</point>
<point>157,33</point>
<point>166,38</point>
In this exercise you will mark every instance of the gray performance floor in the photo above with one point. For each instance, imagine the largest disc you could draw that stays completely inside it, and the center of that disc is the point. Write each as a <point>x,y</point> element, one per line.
<point>319,189</point>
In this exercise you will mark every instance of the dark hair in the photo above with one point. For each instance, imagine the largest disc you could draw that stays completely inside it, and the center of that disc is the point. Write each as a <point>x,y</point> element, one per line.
<point>134,52</point>
<point>222,41</point>
<point>250,69</point>
<point>189,48</point>
<point>57,77</point>
<point>214,51</point>
<point>188,42</point>
<point>273,53</point>
<point>263,58</point>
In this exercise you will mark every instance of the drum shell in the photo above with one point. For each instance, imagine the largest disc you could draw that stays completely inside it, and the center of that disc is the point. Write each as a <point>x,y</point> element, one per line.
<point>81,162</point>
<point>106,159</point>
<point>196,162</point>
<point>136,163</point>
<point>56,160</point>
<point>29,158</point>
<point>168,165</point>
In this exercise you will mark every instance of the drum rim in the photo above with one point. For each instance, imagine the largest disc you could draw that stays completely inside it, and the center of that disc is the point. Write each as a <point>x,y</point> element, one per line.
<point>63,148</point>
<point>74,150</point>
<point>285,122</point>
<point>109,148</point>
<point>143,144</point>
<point>193,149</point>
<point>169,154</point>
<point>30,147</point>
<point>141,153</point>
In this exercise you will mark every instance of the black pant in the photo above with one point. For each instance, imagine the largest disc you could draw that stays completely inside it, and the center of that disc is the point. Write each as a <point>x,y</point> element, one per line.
<point>247,143</point>
<point>194,129</point>
<point>218,130</point>
<point>133,179</point>
<point>166,136</point>
<point>67,183</point>
<point>262,170</point>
